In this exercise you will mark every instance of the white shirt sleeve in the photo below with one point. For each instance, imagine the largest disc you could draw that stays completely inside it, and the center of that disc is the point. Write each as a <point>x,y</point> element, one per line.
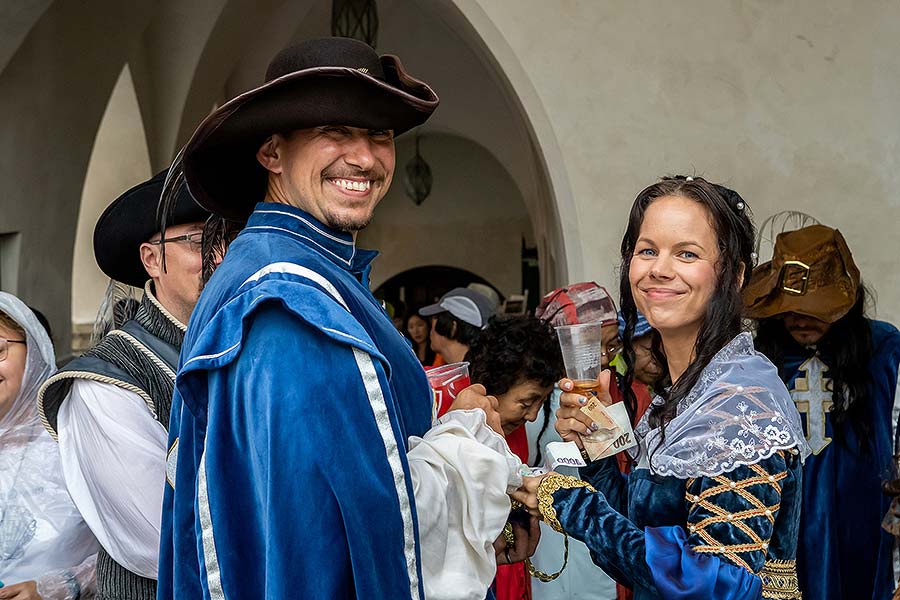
<point>113,453</point>
<point>461,474</point>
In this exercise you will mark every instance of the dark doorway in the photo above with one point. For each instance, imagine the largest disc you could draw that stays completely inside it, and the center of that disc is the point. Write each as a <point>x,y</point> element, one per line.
<point>418,287</point>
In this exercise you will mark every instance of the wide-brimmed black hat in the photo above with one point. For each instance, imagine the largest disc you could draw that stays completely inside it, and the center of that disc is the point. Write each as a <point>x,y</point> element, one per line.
<point>130,221</point>
<point>329,81</point>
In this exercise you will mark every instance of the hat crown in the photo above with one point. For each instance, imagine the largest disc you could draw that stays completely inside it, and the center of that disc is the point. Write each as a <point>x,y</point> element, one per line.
<point>326,52</point>
<point>810,245</point>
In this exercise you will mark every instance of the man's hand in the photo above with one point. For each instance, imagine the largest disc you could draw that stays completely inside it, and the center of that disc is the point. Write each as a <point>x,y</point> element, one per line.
<point>27,590</point>
<point>526,541</point>
<point>475,396</point>
<point>571,423</point>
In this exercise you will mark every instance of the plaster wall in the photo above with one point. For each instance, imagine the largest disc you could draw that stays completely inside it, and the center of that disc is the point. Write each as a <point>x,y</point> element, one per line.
<point>474,219</point>
<point>793,104</point>
<point>53,92</point>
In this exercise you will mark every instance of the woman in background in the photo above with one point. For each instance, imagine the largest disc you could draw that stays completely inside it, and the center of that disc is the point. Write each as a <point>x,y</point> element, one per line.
<point>418,330</point>
<point>46,549</point>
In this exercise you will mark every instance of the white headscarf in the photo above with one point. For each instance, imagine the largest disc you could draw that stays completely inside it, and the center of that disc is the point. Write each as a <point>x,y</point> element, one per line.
<point>22,417</point>
<point>42,534</point>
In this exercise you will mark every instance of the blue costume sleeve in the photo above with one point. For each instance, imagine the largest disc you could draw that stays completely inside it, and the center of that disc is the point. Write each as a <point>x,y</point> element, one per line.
<point>730,522</point>
<point>302,486</point>
<point>605,477</point>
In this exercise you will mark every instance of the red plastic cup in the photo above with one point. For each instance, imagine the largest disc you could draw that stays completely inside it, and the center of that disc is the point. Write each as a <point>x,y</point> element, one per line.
<point>447,381</point>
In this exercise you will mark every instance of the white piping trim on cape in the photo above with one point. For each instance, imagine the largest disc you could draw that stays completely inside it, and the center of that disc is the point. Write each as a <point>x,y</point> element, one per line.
<point>308,239</point>
<point>211,557</point>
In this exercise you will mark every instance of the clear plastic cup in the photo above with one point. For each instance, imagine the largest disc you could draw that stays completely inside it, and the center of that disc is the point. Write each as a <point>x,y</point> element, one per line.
<point>447,381</point>
<point>581,347</point>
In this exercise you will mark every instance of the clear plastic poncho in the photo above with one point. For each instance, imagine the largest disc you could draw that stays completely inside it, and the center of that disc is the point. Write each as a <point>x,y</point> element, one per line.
<point>42,536</point>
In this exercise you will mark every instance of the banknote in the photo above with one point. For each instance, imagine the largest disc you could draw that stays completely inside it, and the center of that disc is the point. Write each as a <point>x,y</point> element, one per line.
<point>615,433</point>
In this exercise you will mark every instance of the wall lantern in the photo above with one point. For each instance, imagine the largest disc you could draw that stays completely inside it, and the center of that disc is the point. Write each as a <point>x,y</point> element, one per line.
<point>418,177</point>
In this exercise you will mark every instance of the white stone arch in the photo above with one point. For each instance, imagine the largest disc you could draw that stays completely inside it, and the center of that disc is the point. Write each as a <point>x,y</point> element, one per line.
<point>119,160</point>
<point>554,214</point>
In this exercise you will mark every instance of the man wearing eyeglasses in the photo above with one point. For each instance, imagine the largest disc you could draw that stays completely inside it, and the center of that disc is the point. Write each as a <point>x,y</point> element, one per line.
<point>109,409</point>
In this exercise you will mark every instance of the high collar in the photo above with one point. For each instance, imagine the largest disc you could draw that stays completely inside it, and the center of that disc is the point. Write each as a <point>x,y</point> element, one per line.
<point>337,246</point>
<point>154,317</point>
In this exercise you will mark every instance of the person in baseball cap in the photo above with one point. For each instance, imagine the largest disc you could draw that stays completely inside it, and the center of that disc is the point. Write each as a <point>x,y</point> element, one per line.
<point>457,320</point>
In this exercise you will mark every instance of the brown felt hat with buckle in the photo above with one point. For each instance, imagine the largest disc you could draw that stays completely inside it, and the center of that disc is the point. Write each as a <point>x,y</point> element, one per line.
<point>811,273</point>
<point>328,81</point>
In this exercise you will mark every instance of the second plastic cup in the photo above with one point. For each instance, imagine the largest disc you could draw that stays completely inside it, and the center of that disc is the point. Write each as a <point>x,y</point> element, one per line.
<point>447,381</point>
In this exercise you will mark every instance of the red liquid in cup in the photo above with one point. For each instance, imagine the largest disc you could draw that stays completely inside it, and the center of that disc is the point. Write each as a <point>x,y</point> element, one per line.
<point>447,381</point>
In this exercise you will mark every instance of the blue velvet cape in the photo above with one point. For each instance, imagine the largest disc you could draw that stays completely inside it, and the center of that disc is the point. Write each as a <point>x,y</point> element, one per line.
<point>844,554</point>
<point>294,399</point>
<point>727,535</point>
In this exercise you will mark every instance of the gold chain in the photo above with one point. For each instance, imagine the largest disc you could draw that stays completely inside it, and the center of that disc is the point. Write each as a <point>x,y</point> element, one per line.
<point>550,484</point>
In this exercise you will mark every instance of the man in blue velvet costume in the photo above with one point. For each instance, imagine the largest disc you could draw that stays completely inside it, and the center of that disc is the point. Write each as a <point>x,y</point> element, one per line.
<point>303,462</point>
<point>841,370</point>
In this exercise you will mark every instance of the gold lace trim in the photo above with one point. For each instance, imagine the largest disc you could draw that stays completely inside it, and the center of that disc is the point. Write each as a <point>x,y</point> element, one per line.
<point>706,500</point>
<point>551,484</point>
<point>779,580</point>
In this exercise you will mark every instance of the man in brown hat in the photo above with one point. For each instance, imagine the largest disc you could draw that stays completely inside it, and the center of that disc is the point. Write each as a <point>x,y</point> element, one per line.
<point>302,460</point>
<point>841,369</point>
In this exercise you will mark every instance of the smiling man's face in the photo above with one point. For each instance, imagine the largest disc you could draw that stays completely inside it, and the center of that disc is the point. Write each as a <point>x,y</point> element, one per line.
<point>338,174</point>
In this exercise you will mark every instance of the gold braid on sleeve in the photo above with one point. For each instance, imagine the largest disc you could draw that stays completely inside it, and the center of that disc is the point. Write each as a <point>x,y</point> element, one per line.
<point>779,580</point>
<point>551,484</point>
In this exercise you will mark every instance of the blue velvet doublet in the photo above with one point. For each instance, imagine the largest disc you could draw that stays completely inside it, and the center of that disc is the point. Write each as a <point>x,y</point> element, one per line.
<point>844,554</point>
<point>294,401</point>
<point>721,523</point>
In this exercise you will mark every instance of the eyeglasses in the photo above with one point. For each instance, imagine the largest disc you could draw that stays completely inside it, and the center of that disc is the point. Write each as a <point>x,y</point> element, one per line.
<point>610,350</point>
<point>194,239</point>
<point>4,347</point>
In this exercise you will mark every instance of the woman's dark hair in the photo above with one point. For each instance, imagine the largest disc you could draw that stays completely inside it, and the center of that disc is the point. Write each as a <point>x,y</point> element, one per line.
<point>729,216</point>
<point>464,334</point>
<point>848,347</point>
<point>430,354</point>
<point>514,349</point>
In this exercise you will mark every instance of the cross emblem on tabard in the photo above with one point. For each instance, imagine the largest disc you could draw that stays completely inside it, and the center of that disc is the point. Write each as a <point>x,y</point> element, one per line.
<point>812,395</point>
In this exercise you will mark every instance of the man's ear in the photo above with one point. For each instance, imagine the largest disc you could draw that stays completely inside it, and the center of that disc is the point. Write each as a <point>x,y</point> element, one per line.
<point>269,154</point>
<point>152,259</point>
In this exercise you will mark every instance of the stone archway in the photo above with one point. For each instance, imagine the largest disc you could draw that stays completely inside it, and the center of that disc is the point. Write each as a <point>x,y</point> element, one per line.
<point>121,142</point>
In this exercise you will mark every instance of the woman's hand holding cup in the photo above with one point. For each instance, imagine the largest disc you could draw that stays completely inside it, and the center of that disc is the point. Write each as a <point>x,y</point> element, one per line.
<point>571,422</point>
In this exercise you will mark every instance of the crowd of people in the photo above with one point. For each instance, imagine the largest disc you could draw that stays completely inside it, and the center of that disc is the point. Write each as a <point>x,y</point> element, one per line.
<point>257,425</point>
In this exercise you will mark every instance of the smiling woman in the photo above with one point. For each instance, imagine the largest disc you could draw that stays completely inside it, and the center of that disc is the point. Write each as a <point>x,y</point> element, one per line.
<point>711,508</point>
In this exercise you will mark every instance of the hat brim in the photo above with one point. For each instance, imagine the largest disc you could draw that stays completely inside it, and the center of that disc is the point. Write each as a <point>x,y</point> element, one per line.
<point>431,310</point>
<point>129,221</point>
<point>764,298</point>
<point>220,163</point>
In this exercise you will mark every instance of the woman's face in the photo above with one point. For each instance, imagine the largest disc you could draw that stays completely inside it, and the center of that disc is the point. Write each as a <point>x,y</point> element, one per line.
<point>521,403</point>
<point>673,270</point>
<point>417,329</point>
<point>11,370</point>
<point>645,368</point>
